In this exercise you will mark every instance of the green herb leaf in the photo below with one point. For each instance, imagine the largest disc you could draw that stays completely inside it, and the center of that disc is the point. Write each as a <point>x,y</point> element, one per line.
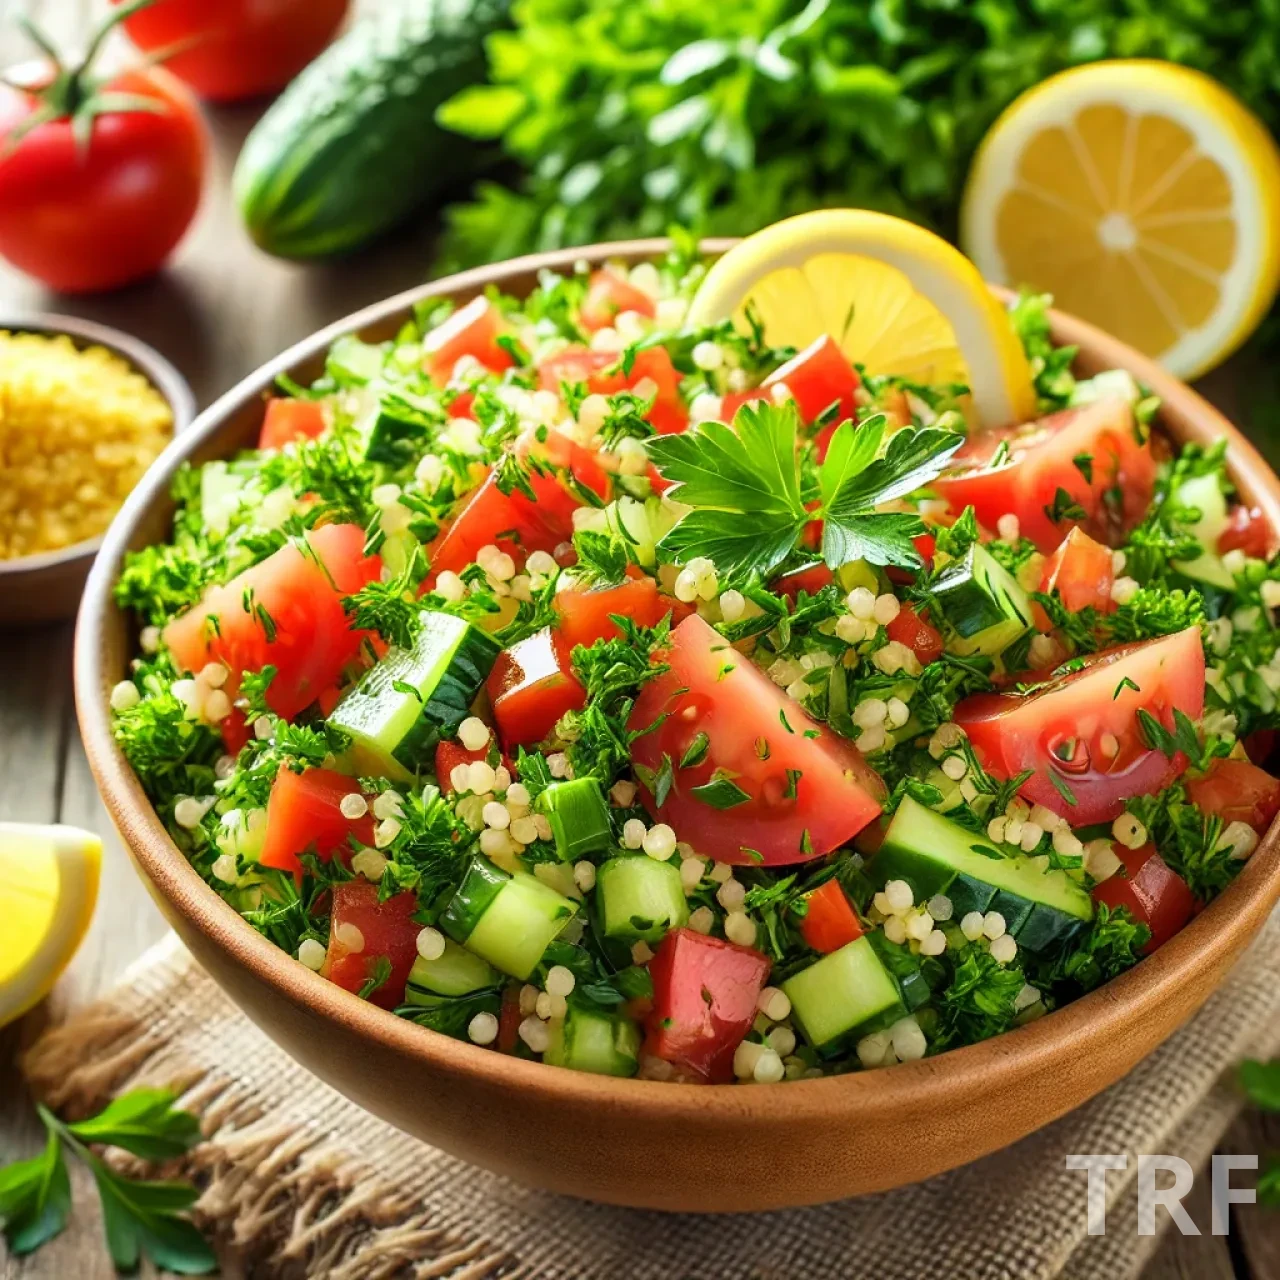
<point>1261,1083</point>
<point>721,792</point>
<point>144,1122</point>
<point>35,1199</point>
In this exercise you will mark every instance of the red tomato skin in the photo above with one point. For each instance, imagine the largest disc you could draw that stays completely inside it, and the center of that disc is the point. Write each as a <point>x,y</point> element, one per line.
<point>810,580</point>
<point>303,811</point>
<point>531,686</point>
<point>585,615</point>
<point>287,420</point>
<point>1080,572</point>
<point>1041,462</point>
<point>472,330</point>
<point>704,1002</point>
<point>830,921</point>
<point>389,930</point>
<point>313,641</point>
<point>1248,531</point>
<point>927,545</point>
<point>1012,732</point>
<point>1237,791</point>
<point>235,731</point>
<point>603,375</point>
<point>909,628</point>
<point>712,689</point>
<point>608,294</point>
<point>449,755</point>
<point>236,49</point>
<point>84,220</point>
<point>1154,894</point>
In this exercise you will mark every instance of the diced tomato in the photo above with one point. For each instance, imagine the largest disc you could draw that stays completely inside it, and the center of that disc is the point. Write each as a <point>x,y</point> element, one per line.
<point>472,330</point>
<point>387,930</point>
<point>487,517</point>
<point>734,400</point>
<point>1082,729</point>
<point>1095,454</point>
<point>1237,791</point>
<point>531,686</point>
<point>791,789</point>
<point>830,921</point>
<point>461,404</point>
<point>608,294</point>
<point>810,579</point>
<point>602,373</point>
<point>909,628</point>
<point>1248,531</point>
<point>585,615</point>
<point>1154,894</point>
<point>303,813</point>
<point>235,731</point>
<point>1080,572</point>
<point>449,755</point>
<point>704,1002</point>
<point>287,420</point>
<point>285,611</point>
<point>509,1019</point>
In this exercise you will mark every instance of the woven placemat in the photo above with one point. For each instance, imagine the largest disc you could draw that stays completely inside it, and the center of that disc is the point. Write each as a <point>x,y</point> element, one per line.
<point>300,1182</point>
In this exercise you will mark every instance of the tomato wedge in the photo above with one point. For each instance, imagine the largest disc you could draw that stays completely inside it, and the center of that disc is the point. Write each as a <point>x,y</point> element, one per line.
<point>603,374</point>
<point>586,616</point>
<point>1080,572</point>
<point>531,686</point>
<point>1248,531</point>
<point>830,920</point>
<point>294,620</point>
<point>704,1002</point>
<point>1237,791</point>
<point>303,812</point>
<point>909,628</point>
<point>608,294</point>
<point>287,420</point>
<point>472,330</point>
<point>810,580</point>
<point>765,782</point>
<point>387,931</point>
<point>1154,894</point>
<point>1095,454</point>
<point>1083,731</point>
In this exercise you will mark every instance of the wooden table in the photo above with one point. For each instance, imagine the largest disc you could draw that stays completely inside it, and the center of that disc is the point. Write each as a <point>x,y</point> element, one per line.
<point>219,311</point>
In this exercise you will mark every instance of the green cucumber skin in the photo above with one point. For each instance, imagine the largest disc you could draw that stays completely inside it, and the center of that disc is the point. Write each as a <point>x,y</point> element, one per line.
<point>480,886</point>
<point>592,834</point>
<point>352,145</point>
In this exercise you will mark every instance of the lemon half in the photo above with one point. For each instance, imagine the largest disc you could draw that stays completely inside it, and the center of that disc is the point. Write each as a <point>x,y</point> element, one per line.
<point>897,298</point>
<point>1144,197</point>
<point>48,888</point>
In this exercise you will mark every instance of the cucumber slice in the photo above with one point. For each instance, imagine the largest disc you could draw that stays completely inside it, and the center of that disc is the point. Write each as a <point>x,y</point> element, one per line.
<point>933,855</point>
<point>221,491</point>
<point>457,972</point>
<point>982,603</point>
<point>578,816</point>
<point>402,429</point>
<point>508,920</point>
<point>847,991</point>
<point>1205,494</point>
<point>413,697</point>
<point>640,898</point>
<point>591,1040</point>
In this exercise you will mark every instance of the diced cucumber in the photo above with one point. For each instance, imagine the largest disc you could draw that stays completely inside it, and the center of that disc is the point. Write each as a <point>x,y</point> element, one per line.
<point>578,816</point>
<point>1204,493</point>
<point>592,1040</point>
<point>640,898</point>
<point>506,919</point>
<point>1111,382</point>
<point>638,523</point>
<point>934,855</point>
<point>413,697</point>
<point>849,990</point>
<point>982,603</point>
<point>351,362</point>
<point>221,492</point>
<point>457,972</point>
<point>402,428</point>
<point>905,969</point>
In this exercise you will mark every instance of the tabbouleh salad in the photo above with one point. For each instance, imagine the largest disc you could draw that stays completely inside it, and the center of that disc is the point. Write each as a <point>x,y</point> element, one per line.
<point>508,687</point>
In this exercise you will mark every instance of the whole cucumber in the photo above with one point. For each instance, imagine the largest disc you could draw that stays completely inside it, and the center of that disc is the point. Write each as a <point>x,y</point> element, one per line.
<point>352,145</point>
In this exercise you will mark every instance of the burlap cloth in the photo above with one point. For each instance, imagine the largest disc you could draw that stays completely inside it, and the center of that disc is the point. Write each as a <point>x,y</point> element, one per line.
<point>299,1182</point>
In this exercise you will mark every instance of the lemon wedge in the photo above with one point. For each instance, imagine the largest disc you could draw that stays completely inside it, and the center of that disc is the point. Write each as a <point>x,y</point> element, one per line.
<point>894,296</point>
<point>1144,197</point>
<point>48,887</point>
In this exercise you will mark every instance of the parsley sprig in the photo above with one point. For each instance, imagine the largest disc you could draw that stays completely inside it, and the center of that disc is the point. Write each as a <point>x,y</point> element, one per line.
<point>744,483</point>
<point>139,1217</point>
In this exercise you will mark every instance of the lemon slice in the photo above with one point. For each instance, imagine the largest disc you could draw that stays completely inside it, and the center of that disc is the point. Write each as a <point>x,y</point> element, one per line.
<point>896,297</point>
<point>48,887</point>
<point>1144,197</point>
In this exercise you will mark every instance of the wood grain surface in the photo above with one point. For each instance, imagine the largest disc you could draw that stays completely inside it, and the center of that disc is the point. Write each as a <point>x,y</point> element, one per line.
<point>220,310</point>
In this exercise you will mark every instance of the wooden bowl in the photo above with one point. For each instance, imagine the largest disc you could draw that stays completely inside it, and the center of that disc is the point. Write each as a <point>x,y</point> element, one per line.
<point>632,1142</point>
<point>47,587</point>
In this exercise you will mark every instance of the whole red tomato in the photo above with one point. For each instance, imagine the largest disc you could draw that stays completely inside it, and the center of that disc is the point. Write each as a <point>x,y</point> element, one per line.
<point>232,49</point>
<point>101,193</point>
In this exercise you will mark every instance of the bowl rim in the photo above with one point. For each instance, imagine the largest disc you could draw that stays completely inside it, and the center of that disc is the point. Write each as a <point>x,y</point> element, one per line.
<point>914,1087</point>
<point>158,370</point>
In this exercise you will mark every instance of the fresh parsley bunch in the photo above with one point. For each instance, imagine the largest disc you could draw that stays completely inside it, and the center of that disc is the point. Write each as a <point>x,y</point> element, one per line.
<point>747,488</point>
